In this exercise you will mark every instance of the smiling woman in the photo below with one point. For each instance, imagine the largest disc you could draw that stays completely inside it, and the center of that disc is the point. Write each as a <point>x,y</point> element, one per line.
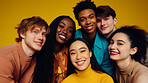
<point>128,48</point>
<point>52,64</point>
<point>83,66</point>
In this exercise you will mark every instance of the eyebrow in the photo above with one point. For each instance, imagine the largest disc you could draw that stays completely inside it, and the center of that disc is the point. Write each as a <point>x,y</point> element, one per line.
<point>89,16</point>
<point>79,49</point>
<point>63,23</point>
<point>121,41</point>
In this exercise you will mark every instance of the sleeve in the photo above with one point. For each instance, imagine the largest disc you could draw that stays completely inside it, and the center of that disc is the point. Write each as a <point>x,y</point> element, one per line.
<point>108,65</point>
<point>6,71</point>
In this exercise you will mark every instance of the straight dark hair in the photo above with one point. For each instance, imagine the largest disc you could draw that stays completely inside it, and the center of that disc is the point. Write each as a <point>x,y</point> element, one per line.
<point>94,64</point>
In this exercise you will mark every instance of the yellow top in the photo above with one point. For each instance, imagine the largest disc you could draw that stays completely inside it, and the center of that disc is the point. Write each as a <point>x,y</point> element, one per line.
<point>88,76</point>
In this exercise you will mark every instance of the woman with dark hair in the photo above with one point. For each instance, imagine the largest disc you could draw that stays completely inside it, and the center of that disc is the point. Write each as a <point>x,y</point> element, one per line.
<point>128,48</point>
<point>52,59</point>
<point>83,66</point>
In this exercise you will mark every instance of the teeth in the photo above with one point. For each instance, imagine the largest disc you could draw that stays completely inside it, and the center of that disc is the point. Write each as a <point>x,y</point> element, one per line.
<point>62,36</point>
<point>89,27</point>
<point>80,63</point>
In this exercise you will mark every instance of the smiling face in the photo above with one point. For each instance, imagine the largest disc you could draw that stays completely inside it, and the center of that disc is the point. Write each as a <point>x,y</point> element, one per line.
<point>106,24</point>
<point>34,39</point>
<point>80,55</point>
<point>87,20</point>
<point>64,31</point>
<point>119,47</point>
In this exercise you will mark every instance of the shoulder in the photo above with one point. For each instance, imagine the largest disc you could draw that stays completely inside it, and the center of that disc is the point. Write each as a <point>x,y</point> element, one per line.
<point>8,49</point>
<point>78,33</point>
<point>141,77</point>
<point>69,79</point>
<point>104,77</point>
<point>141,74</point>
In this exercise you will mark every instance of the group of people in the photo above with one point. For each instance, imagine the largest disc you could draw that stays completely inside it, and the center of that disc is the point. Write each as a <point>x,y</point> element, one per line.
<point>58,53</point>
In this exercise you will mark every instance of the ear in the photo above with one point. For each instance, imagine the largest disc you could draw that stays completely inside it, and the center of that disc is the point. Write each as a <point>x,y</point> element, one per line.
<point>115,20</point>
<point>22,35</point>
<point>133,50</point>
<point>90,53</point>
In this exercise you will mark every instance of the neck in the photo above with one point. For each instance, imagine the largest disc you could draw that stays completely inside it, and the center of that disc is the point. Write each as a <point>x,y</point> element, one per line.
<point>109,34</point>
<point>83,74</point>
<point>58,48</point>
<point>28,51</point>
<point>88,35</point>
<point>123,64</point>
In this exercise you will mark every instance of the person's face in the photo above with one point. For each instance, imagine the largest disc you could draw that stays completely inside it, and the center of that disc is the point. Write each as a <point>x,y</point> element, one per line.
<point>64,31</point>
<point>119,47</point>
<point>87,20</point>
<point>106,24</point>
<point>34,39</point>
<point>80,55</point>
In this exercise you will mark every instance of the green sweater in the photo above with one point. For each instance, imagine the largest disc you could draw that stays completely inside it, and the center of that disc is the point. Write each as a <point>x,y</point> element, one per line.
<point>88,76</point>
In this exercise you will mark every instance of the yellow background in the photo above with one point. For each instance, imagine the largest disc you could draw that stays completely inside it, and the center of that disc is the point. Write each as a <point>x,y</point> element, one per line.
<point>129,12</point>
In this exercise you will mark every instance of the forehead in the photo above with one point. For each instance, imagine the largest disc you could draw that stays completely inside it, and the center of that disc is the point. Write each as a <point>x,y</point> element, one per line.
<point>77,44</point>
<point>86,12</point>
<point>103,16</point>
<point>37,27</point>
<point>121,36</point>
<point>67,21</point>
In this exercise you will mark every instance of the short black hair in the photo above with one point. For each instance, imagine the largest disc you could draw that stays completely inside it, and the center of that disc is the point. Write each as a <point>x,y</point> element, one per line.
<point>87,4</point>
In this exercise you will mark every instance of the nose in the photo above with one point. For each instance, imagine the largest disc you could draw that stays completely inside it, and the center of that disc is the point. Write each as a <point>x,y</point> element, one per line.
<point>64,30</point>
<point>87,21</point>
<point>102,22</point>
<point>78,56</point>
<point>112,46</point>
<point>40,36</point>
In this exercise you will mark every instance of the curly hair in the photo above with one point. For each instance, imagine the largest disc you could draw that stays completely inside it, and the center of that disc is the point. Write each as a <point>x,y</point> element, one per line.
<point>87,4</point>
<point>138,38</point>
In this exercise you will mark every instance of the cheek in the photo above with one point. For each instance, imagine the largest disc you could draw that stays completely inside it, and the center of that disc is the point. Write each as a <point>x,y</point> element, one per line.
<point>69,36</point>
<point>58,29</point>
<point>72,58</point>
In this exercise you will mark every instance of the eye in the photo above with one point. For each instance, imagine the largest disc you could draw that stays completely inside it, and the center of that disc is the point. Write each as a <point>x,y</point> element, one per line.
<point>72,53</point>
<point>82,51</point>
<point>61,26</point>
<point>91,17</point>
<point>44,34</point>
<point>106,19</point>
<point>82,19</point>
<point>35,31</point>
<point>70,30</point>
<point>119,44</point>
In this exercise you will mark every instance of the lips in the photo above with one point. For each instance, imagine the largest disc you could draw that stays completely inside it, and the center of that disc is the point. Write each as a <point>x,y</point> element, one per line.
<point>38,43</point>
<point>114,53</point>
<point>62,37</point>
<point>80,63</point>
<point>103,28</point>
<point>89,28</point>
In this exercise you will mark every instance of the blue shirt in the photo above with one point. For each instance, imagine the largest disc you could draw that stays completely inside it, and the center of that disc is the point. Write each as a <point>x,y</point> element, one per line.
<point>100,49</point>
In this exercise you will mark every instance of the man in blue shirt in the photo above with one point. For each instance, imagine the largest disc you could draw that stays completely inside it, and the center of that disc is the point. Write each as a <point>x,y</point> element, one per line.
<point>85,13</point>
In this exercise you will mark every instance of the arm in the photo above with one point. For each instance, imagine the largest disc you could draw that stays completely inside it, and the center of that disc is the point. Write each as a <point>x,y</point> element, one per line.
<point>6,71</point>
